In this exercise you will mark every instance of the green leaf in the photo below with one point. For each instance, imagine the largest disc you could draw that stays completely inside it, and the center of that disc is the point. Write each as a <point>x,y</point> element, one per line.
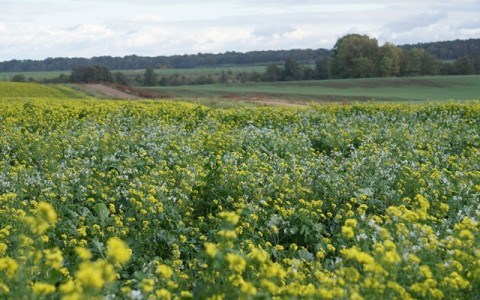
<point>102,212</point>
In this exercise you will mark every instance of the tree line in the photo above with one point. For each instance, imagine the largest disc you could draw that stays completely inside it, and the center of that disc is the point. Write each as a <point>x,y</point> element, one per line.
<point>134,62</point>
<point>353,56</point>
<point>449,50</point>
<point>359,56</point>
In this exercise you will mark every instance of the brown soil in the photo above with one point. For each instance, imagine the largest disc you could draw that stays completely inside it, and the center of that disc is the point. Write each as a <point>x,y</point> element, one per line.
<point>110,91</point>
<point>277,102</point>
<point>125,92</point>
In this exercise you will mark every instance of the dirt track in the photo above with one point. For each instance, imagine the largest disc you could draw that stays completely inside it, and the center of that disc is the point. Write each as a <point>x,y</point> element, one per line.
<point>114,93</point>
<point>110,91</point>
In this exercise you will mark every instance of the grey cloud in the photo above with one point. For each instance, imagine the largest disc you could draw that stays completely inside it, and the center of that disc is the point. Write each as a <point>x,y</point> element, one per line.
<point>269,31</point>
<point>416,21</point>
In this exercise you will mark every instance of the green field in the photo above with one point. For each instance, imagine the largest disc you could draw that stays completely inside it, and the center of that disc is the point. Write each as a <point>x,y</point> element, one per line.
<point>39,76</point>
<point>379,89</point>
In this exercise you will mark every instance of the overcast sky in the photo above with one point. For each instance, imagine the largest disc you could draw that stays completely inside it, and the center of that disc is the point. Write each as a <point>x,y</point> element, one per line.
<point>84,28</point>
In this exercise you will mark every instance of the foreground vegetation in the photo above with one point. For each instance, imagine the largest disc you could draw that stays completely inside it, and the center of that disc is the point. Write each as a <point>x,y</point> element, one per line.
<point>163,200</point>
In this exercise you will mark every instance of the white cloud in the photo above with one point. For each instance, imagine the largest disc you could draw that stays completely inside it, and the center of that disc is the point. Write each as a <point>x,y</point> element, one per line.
<point>48,28</point>
<point>415,21</point>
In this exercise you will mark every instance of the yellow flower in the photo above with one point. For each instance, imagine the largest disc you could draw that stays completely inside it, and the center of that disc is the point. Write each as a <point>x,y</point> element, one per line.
<point>67,287</point>
<point>41,288</point>
<point>424,270</point>
<point>118,251</point>
<point>228,234</point>
<point>230,217</point>
<point>293,247</point>
<point>3,248</point>
<point>466,234</point>
<point>236,262</point>
<point>248,288</point>
<point>351,223</point>
<point>347,232</point>
<point>211,249</point>
<point>186,295</point>
<point>147,285</point>
<point>163,294</point>
<point>4,288</point>
<point>268,285</point>
<point>47,212</point>
<point>83,253</point>
<point>90,275</point>
<point>165,271</point>
<point>9,266</point>
<point>259,254</point>
<point>54,258</point>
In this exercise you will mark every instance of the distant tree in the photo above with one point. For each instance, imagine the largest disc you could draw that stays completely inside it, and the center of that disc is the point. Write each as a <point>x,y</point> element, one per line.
<point>355,56</point>
<point>390,60</point>
<point>90,74</point>
<point>476,63</point>
<point>272,73</point>
<point>292,70</point>
<point>223,77</point>
<point>19,78</point>
<point>429,64</point>
<point>308,73</point>
<point>447,68</point>
<point>418,62</point>
<point>121,78</point>
<point>321,69</point>
<point>149,77</point>
<point>463,66</point>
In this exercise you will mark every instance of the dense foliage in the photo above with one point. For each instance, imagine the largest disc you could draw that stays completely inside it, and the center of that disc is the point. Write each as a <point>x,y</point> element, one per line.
<point>358,56</point>
<point>134,62</point>
<point>448,50</point>
<point>158,200</point>
<point>90,74</point>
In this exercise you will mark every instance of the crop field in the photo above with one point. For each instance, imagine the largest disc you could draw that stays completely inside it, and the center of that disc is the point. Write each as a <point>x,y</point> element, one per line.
<point>39,76</point>
<point>379,89</point>
<point>174,200</point>
<point>35,90</point>
<point>7,76</point>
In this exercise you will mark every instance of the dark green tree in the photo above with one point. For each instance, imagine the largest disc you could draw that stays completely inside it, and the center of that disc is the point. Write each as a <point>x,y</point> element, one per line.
<point>418,62</point>
<point>355,56</point>
<point>463,66</point>
<point>476,63</point>
<point>390,60</point>
<point>19,78</point>
<point>121,78</point>
<point>272,73</point>
<point>321,69</point>
<point>149,77</point>
<point>90,74</point>
<point>292,70</point>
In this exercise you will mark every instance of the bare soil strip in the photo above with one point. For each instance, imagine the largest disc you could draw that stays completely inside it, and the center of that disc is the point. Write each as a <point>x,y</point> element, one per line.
<point>114,93</point>
<point>110,91</point>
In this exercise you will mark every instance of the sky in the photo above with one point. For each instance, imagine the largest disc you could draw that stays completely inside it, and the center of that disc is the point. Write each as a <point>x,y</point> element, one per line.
<point>84,28</point>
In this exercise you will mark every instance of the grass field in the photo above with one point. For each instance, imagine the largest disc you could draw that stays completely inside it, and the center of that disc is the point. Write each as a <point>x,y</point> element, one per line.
<point>380,89</point>
<point>39,76</point>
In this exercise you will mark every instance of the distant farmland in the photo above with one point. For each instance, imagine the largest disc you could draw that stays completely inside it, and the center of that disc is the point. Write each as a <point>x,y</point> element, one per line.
<point>378,89</point>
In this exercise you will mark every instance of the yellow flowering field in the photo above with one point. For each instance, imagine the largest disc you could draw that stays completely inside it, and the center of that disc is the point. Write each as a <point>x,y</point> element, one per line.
<point>35,90</point>
<point>164,200</point>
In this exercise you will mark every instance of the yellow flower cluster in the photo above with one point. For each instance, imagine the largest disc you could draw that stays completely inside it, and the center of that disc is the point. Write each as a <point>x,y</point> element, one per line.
<point>173,200</point>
